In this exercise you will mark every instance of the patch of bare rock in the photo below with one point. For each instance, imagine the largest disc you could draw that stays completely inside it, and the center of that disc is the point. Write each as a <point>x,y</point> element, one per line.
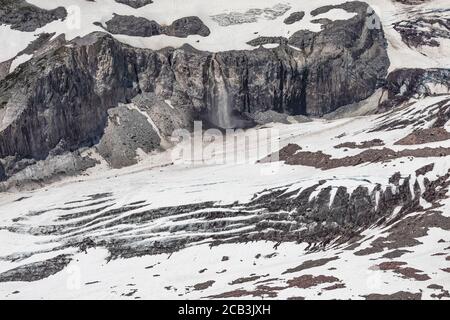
<point>260,291</point>
<point>401,295</point>
<point>310,264</point>
<point>292,155</point>
<point>244,280</point>
<point>294,17</point>
<point>309,281</point>
<point>406,272</point>
<point>37,270</point>
<point>362,145</point>
<point>142,27</point>
<point>424,136</point>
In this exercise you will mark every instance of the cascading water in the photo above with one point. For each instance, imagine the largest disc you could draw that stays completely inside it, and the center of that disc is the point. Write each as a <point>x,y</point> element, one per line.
<point>219,105</point>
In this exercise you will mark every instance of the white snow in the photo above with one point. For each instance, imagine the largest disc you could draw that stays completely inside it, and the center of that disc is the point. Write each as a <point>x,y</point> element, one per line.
<point>175,185</point>
<point>19,60</point>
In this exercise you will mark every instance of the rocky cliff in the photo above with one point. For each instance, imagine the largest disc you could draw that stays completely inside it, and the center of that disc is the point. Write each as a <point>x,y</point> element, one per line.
<point>60,99</point>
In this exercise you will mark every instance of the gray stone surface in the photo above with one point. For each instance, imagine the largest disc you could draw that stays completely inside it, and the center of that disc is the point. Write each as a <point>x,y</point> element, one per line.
<point>21,15</point>
<point>29,173</point>
<point>294,17</point>
<point>37,270</point>
<point>127,131</point>
<point>142,27</point>
<point>425,27</point>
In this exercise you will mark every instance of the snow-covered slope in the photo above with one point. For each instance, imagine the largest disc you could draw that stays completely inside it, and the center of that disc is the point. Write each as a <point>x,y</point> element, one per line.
<point>197,231</point>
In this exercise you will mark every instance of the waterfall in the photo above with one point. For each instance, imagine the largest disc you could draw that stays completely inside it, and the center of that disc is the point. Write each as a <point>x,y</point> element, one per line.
<point>219,105</point>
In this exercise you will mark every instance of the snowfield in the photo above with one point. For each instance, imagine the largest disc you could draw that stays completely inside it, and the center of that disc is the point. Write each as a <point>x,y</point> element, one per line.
<point>207,268</point>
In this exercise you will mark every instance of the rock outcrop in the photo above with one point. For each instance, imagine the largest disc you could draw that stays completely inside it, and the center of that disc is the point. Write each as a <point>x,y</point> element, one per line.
<point>294,17</point>
<point>141,27</point>
<point>23,16</point>
<point>127,131</point>
<point>135,3</point>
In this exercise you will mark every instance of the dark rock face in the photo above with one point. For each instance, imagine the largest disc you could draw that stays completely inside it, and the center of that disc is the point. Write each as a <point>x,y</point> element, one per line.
<point>187,26</point>
<point>48,170</point>
<point>133,26</point>
<point>127,131</point>
<point>424,136</point>
<point>2,173</point>
<point>26,17</point>
<point>403,84</point>
<point>141,27</point>
<point>294,17</point>
<point>62,101</point>
<point>62,96</point>
<point>135,3</point>
<point>401,295</point>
